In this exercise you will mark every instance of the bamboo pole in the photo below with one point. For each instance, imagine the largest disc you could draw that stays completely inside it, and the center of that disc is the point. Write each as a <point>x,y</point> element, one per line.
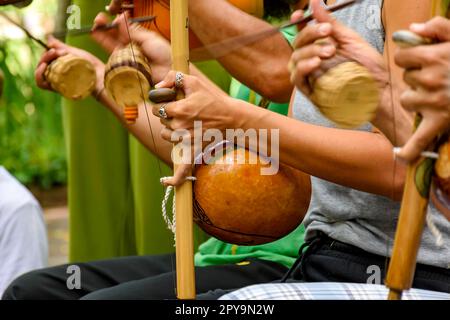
<point>409,229</point>
<point>184,206</point>
<point>415,200</point>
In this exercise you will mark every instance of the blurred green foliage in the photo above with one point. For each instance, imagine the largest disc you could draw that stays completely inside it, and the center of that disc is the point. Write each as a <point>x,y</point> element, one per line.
<point>31,130</point>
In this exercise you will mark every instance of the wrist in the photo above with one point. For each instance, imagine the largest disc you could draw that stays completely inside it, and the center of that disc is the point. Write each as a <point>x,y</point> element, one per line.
<point>241,114</point>
<point>98,93</point>
<point>100,85</point>
<point>385,107</point>
<point>391,119</point>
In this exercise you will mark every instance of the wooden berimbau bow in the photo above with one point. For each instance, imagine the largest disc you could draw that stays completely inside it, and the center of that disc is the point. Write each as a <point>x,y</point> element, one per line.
<point>179,24</point>
<point>413,210</point>
<point>184,197</point>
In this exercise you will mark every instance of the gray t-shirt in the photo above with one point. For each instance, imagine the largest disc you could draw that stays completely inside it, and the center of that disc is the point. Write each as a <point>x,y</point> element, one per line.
<point>361,219</point>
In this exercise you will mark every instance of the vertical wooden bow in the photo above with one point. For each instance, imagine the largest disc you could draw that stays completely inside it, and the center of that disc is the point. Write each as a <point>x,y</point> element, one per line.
<point>412,216</point>
<point>179,24</point>
<point>185,271</point>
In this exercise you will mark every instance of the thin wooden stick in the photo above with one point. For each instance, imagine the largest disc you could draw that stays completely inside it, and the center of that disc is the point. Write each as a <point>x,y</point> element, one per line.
<point>29,35</point>
<point>415,200</point>
<point>184,205</point>
<point>410,226</point>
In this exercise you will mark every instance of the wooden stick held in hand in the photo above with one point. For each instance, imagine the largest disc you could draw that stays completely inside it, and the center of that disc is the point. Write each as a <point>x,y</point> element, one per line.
<point>184,204</point>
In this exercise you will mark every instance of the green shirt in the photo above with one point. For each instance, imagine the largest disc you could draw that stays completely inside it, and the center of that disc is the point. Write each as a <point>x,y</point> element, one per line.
<point>283,251</point>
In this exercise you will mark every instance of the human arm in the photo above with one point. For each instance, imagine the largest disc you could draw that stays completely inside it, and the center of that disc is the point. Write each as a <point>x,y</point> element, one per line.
<point>390,118</point>
<point>271,55</point>
<point>355,159</point>
<point>146,133</point>
<point>148,127</point>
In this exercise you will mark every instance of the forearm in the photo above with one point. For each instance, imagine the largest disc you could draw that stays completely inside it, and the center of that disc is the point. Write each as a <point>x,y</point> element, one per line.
<point>271,55</point>
<point>146,129</point>
<point>359,160</point>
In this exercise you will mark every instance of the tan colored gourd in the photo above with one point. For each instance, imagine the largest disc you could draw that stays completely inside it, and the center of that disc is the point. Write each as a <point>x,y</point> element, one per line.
<point>345,92</point>
<point>71,76</point>
<point>128,80</point>
<point>441,190</point>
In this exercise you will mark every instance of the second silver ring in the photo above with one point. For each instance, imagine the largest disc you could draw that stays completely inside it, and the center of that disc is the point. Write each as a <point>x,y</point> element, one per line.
<point>163,112</point>
<point>179,80</point>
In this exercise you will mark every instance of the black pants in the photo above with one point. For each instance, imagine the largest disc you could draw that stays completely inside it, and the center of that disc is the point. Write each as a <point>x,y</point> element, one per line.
<point>327,260</point>
<point>136,278</point>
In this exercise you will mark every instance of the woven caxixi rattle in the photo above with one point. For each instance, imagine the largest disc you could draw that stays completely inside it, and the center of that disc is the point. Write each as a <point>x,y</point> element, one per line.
<point>128,80</point>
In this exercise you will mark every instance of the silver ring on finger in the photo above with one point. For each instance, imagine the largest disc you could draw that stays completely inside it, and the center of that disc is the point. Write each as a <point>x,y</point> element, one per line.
<point>162,112</point>
<point>179,80</point>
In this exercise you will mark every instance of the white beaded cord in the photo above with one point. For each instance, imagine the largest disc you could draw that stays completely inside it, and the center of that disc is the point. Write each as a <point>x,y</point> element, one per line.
<point>171,222</point>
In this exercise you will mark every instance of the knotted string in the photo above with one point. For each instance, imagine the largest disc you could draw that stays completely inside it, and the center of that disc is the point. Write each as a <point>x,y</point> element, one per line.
<point>171,222</point>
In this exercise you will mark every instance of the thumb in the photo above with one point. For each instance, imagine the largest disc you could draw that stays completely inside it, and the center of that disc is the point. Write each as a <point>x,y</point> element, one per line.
<point>297,15</point>
<point>123,22</point>
<point>168,81</point>
<point>115,6</point>
<point>100,20</point>
<point>320,13</point>
<point>54,43</point>
<point>420,140</point>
